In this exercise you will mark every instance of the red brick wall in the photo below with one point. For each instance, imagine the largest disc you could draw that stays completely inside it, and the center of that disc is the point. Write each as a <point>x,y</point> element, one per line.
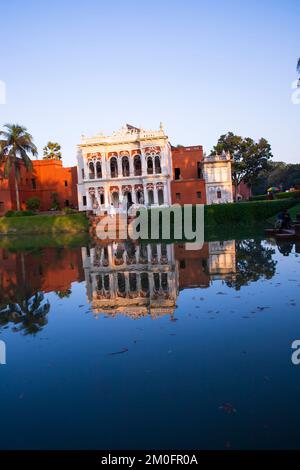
<point>49,177</point>
<point>189,189</point>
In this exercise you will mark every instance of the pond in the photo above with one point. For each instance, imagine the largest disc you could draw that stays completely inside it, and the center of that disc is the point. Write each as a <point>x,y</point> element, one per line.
<point>150,346</point>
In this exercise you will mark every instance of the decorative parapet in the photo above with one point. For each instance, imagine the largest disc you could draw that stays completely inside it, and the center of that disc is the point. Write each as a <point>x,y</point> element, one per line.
<point>224,157</point>
<point>125,134</point>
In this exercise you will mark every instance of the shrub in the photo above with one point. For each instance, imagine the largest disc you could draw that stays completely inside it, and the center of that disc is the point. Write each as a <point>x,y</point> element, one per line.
<point>260,197</point>
<point>286,195</point>
<point>289,194</point>
<point>33,203</point>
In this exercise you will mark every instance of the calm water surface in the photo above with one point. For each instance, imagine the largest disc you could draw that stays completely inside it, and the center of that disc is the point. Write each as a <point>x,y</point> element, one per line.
<point>150,347</point>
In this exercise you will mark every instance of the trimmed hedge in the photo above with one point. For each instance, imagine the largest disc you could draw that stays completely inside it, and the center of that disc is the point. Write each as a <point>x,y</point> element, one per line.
<point>245,213</point>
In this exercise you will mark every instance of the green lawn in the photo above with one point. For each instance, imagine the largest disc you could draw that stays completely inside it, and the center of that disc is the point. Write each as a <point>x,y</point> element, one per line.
<point>44,224</point>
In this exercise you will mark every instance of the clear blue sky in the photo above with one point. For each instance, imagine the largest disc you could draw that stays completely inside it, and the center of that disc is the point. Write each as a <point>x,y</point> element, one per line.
<point>201,67</point>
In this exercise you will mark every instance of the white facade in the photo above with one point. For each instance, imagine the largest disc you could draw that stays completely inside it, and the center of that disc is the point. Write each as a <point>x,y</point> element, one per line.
<point>132,165</point>
<point>135,280</point>
<point>218,182</point>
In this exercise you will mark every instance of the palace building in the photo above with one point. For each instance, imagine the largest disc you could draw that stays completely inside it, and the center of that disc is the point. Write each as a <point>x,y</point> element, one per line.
<point>142,168</point>
<point>132,164</point>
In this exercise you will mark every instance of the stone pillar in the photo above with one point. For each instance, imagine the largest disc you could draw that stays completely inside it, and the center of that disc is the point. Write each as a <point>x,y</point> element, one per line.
<point>166,199</point>
<point>131,166</point>
<point>159,252</point>
<point>144,164</point>
<point>146,198</point>
<point>133,195</point>
<point>119,159</point>
<point>103,167</point>
<point>149,254</point>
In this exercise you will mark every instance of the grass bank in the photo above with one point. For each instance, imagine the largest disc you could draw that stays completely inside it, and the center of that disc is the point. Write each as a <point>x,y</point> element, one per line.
<point>44,224</point>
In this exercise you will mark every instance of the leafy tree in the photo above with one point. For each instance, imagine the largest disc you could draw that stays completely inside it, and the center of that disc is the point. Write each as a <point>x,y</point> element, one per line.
<point>16,147</point>
<point>249,158</point>
<point>28,313</point>
<point>280,174</point>
<point>52,151</point>
<point>254,261</point>
<point>62,294</point>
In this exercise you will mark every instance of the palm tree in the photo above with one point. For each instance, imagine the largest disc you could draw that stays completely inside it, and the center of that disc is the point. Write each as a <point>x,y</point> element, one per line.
<point>52,151</point>
<point>16,146</point>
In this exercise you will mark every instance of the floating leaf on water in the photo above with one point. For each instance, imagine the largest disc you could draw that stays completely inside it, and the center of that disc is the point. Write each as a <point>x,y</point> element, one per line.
<point>124,350</point>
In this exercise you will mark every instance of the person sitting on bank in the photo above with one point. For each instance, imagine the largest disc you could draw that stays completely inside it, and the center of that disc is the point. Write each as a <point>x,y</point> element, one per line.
<point>287,221</point>
<point>279,220</point>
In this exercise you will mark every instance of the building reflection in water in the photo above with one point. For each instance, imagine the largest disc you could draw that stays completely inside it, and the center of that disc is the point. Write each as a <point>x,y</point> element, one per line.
<point>126,278</point>
<point>137,280</point>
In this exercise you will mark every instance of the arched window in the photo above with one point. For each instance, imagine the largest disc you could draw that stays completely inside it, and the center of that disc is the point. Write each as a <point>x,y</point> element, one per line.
<point>139,197</point>
<point>150,197</point>
<point>157,165</point>
<point>91,171</point>
<point>137,166</point>
<point>102,200</point>
<point>149,166</point>
<point>113,167</point>
<point>106,282</point>
<point>144,282</point>
<point>121,283</point>
<point>99,169</point>
<point>164,281</point>
<point>132,282</point>
<point>156,279</point>
<point>115,199</point>
<point>160,195</point>
<point>125,166</point>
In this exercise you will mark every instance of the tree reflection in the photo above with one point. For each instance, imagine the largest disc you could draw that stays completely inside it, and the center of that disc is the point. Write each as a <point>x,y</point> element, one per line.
<point>28,313</point>
<point>254,260</point>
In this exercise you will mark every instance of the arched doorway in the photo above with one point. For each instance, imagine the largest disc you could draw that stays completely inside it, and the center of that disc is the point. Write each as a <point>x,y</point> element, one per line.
<point>91,171</point>
<point>157,165</point>
<point>160,196</point>
<point>150,197</point>
<point>99,169</point>
<point>137,166</point>
<point>125,166</point>
<point>115,199</point>
<point>128,198</point>
<point>149,166</point>
<point>113,167</point>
